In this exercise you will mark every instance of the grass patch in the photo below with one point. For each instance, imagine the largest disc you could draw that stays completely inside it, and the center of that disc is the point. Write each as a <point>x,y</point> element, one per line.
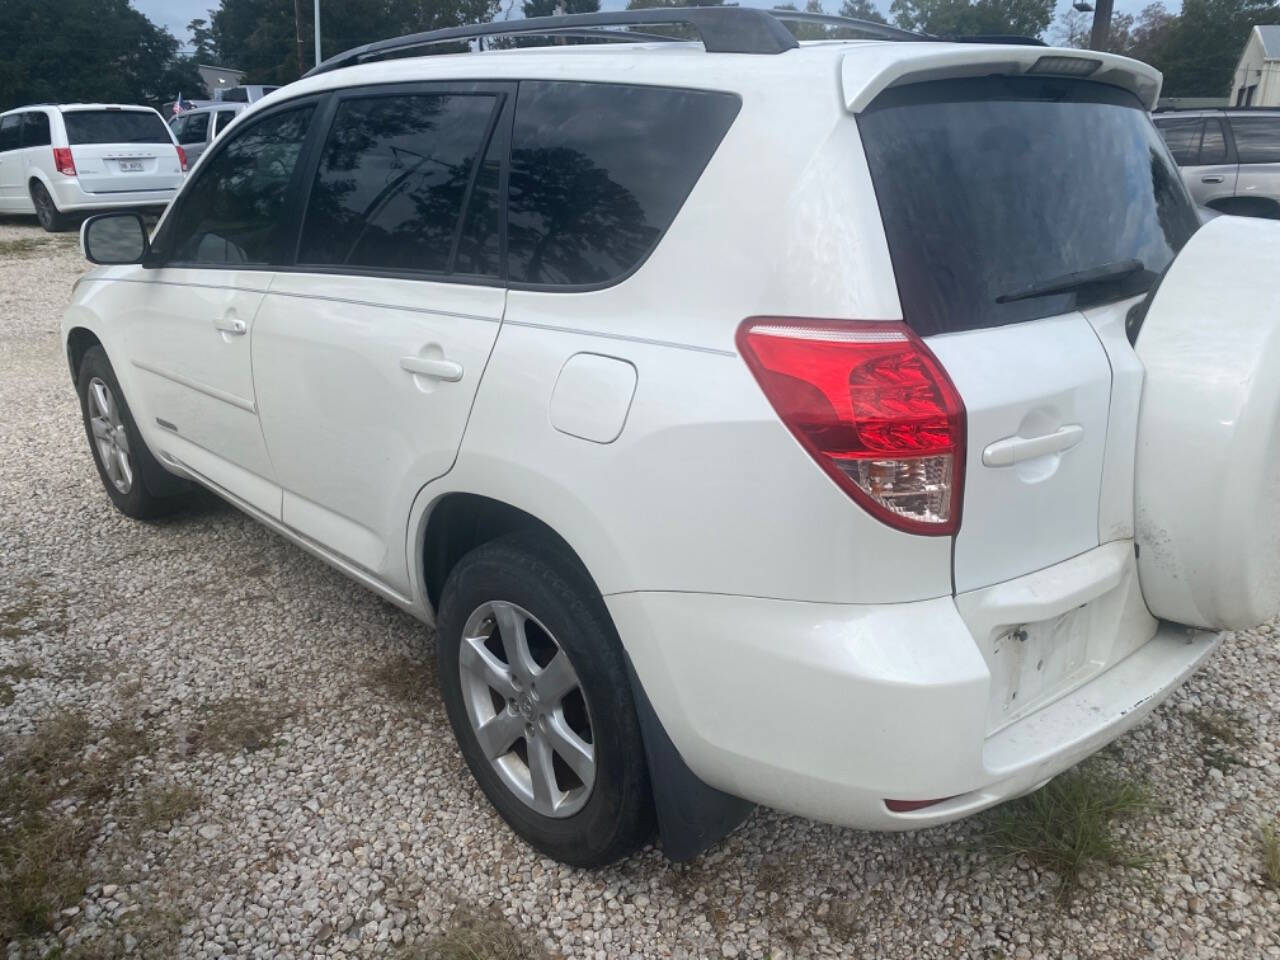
<point>479,935</point>
<point>54,786</point>
<point>35,609</point>
<point>159,806</point>
<point>11,674</point>
<point>1270,838</point>
<point>1068,825</point>
<point>408,682</point>
<point>1221,732</point>
<point>240,723</point>
<point>24,246</point>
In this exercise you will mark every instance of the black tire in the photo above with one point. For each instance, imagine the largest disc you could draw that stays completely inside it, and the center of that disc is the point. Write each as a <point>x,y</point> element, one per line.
<point>47,212</point>
<point>139,500</point>
<point>541,576</point>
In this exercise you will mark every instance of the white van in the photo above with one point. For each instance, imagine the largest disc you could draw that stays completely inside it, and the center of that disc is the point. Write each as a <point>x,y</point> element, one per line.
<point>56,160</point>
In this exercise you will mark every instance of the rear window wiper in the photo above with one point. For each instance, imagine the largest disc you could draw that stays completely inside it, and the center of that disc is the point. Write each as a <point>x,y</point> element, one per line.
<point>1069,282</point>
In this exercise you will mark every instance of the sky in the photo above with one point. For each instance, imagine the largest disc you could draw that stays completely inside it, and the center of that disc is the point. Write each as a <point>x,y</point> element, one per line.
<point>174,15</point>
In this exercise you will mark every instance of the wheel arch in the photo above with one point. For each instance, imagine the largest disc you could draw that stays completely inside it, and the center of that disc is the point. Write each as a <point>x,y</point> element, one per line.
<point>80,340</point>
<point>456,522</point>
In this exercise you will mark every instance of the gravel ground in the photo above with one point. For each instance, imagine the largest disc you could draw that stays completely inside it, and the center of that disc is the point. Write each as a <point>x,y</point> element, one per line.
<point>318,805</point>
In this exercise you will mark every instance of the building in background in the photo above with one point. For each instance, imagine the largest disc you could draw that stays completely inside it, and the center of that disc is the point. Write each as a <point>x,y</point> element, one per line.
<point>1257,79</point>
<point>219,78</point>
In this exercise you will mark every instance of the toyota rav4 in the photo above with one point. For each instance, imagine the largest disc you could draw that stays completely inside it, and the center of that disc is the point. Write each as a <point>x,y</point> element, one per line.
<point>864,427</point>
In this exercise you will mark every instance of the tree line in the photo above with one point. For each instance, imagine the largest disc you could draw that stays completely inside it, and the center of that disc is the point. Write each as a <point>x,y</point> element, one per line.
<point>106,50</point>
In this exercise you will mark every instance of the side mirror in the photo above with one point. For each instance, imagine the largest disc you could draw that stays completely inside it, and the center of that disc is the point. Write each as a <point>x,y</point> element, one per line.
<point>114,238</point>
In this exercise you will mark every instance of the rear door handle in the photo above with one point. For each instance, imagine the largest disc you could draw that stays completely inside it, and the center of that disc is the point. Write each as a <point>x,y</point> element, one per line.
<point>1214,178</point>
<point>232,325</point>
<point>1011,450</point>
<point>438,368</point>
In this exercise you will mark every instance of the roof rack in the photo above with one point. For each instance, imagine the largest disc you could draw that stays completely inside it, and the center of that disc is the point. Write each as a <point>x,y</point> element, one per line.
<point>721,30</point>
<point>1011,39</point>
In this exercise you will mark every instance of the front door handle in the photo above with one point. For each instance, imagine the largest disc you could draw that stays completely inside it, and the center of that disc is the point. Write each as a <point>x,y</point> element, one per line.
<point>1011,450</point>
<point>1212,178</point>
<point>232,325</point>
<point>436,367</point>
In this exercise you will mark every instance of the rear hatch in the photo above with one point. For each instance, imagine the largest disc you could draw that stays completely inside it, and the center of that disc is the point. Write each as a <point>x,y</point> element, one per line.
<point>121,150</point>
<point>1010,205</point>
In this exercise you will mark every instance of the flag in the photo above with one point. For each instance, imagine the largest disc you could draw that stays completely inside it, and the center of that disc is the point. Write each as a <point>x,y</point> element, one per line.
<point>180,106</point>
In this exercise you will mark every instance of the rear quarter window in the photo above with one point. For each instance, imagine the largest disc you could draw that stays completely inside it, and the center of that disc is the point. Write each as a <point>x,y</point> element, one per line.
<point>598,173</point>
<point>991,186</point>
<point>1257,139</point>
<point>114,126</point>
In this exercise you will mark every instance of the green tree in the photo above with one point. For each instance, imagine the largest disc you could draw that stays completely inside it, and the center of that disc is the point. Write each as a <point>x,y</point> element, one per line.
<point>547,8</point>
<point>806,31</point>
<point>1199,51</point>
<point>1027,18</point>
<point>862,10</point>
<point>202,38</point>
<point>95,50</point>
<point>648,4</point>
<point>259,36</point>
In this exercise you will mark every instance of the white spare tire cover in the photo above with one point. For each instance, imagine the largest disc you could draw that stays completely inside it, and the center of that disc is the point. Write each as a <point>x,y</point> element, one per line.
<point>1207,477</point>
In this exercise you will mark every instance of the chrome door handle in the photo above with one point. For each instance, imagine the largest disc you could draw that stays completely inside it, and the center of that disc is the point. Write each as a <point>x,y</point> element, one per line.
<point>231,325</point>
<point>437,368</point>
<point>1011,450</point>
<point>1211,179</point>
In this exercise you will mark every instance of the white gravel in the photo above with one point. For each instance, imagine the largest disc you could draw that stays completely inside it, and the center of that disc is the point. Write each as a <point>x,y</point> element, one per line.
<point>354,828</point>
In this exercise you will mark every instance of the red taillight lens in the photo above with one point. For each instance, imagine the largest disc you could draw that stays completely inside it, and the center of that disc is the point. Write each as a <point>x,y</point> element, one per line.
<point>182,158</point>
<point>63,162</point>
<point>873,406</point>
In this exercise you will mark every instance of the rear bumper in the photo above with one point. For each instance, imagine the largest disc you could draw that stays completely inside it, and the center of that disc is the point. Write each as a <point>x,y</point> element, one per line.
<point>827,710</point>
<point>68,195</point>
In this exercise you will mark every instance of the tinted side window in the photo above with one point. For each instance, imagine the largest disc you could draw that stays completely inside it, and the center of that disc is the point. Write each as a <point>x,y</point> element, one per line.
<point>1183,138</point>
<point>599,171</point>
<point>1257,139</point>
<point>1213,148</point>
<point>9,127</point>
<point>194,130</point>
<point>480,240</point>
<point>221,119</point>
<point>392,179</point>
<point>35,129</point>
<point>233,212</point>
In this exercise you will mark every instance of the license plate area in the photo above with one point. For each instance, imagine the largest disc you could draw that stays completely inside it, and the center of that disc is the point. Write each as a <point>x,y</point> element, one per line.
<point>1034,663</point>
<point>131,166</point>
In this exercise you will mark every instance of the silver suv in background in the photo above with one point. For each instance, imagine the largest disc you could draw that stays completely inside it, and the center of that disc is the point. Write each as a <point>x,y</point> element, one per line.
<point>1229,158</point>
<point>197,128</point>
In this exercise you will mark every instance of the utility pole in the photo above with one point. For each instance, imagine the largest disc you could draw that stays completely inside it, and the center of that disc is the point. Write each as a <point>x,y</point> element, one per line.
<point>297,30</point>
<point>1101,34</point>
<point>317,33</point>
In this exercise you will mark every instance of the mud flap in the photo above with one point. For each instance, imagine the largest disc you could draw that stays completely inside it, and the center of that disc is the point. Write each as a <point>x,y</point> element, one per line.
<point>692,816</point>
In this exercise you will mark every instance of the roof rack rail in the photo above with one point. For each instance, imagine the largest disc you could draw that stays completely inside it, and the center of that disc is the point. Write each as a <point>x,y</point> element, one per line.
<point>1011,39</point>
<point>880,31</point>
<point>721,30</point>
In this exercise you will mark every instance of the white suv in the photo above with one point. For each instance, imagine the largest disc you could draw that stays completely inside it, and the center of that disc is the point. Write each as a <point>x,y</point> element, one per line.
<point>57,161</point>
<point>756,422</point>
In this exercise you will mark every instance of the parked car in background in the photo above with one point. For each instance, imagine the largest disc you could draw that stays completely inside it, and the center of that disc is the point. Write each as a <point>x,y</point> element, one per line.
<point>195,129</point>
<point>246,93</point>
<point>631,367</point>
<point>60,160</point>
<point>1229,158</point>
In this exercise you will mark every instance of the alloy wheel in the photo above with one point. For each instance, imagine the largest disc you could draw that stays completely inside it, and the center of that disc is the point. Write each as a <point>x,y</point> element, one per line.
<point>109,435</point>
<point>527,708</point>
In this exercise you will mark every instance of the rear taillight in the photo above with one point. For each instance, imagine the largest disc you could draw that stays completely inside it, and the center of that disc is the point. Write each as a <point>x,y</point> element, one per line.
<point>63,162</point>
<point>873,406</point>
<point>182,158</point>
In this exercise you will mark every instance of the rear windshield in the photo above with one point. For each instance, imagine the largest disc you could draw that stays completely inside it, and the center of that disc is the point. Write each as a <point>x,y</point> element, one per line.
<point>995,187</point>
<point>114,126</point>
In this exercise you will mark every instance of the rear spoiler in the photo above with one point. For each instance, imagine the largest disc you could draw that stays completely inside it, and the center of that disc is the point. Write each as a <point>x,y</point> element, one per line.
<point>869,71</point>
